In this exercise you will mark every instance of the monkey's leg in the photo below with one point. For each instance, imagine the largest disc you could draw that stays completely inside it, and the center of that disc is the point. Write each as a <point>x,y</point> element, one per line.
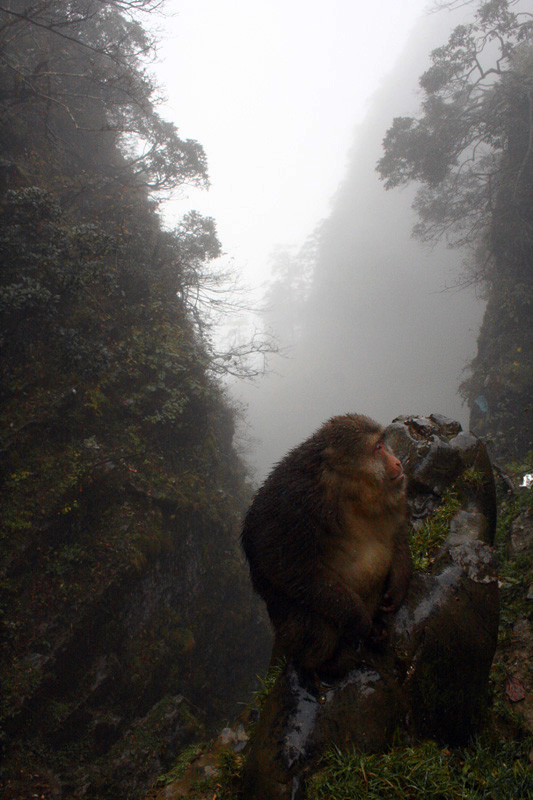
<point>306,638</point>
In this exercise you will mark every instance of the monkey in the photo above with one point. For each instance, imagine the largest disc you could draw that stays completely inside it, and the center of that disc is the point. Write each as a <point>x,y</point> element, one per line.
<point>326,542</point>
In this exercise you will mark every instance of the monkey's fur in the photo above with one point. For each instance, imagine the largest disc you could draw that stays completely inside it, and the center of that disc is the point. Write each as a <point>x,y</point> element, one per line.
<point>326,542</point>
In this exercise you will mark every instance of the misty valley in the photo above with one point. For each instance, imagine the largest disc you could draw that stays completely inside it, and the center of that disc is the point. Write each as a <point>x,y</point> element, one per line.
<point>276,543</point>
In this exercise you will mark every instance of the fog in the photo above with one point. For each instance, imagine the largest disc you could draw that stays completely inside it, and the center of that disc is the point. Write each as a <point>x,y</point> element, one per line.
<point>279,96</point>
<point>379,333</point>
<point>272,89</point>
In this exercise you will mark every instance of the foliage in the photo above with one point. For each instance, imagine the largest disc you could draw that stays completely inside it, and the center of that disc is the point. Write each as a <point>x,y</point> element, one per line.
<point>77,66</point>
<point>79,118</point>
<point>121,579</point>
<point>472,97</point>
<point>470,151</point>
<point>47,292</point>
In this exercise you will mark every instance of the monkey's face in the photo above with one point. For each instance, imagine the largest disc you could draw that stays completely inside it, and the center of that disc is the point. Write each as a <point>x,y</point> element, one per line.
<point>361,470</point>
<point>379,477</point>
<point>388,468</point>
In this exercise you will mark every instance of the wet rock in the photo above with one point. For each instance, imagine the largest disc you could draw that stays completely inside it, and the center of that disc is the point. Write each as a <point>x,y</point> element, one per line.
<point>430,680</point>
<point>301,717</point>
<point>236,738</point>
<point>446,426</point>
<point>205,764</point>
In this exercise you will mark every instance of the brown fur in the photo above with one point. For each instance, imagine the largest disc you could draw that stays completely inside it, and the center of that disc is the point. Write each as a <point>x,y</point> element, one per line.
<point>326,542</point>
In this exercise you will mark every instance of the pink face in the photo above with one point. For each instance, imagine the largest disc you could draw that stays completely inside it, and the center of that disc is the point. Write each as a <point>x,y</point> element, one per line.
<point>390,466</point>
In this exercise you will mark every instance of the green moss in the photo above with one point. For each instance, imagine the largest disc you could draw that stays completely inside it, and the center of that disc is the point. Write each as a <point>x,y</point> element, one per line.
<point>472,478</point>
<point>185,758</point>
<point>225,784</point>
<point>427,539</point>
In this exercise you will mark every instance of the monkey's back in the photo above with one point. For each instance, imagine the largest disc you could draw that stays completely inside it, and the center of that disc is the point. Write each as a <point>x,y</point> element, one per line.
<point>286,527</point>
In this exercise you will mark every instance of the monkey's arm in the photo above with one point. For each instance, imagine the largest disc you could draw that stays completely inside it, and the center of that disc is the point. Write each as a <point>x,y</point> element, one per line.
<point>305,586</point>
<point>399,577</point>
<point>342,607</point>
<point>315,587</point>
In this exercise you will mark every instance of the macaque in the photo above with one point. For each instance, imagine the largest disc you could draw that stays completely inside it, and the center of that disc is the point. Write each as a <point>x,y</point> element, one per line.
<point>326,541</point>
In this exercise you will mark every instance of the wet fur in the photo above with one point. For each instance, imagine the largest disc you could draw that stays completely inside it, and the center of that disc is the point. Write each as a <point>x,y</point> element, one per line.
<point>325,537</point>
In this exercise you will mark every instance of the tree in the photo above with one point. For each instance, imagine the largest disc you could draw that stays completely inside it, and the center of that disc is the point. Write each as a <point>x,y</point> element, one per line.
<point>80,67</point>
<point>79,116</point>
<point>117,466</point>
<point>51,281</point>
<point>454,148</point>
<point>471,151</point>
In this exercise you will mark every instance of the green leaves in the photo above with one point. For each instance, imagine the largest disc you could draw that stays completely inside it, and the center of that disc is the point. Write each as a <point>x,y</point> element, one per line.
<point>470,150</point>
<point>455,147</point>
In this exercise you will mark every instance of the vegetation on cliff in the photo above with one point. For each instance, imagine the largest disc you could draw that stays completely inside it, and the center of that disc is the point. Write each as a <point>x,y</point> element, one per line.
<point>470,150</point>
<point>122,587</point>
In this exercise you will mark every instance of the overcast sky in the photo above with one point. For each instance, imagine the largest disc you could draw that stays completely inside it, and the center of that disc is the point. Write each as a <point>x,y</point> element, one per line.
<point>273,90</point>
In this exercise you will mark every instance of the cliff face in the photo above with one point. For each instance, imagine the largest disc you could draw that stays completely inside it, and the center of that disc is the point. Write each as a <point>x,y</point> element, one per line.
<point>122,583</point>
<point>128,622</point>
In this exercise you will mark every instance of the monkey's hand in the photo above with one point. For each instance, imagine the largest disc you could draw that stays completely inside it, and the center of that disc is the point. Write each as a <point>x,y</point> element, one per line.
<point>378,634</point>
<point>396,591</point>
<point>389,603</point>
<point>399,576</point>
<point>395,594</point>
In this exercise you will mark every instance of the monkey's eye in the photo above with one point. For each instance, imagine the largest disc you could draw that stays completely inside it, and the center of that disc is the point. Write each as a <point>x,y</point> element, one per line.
<point>379,446</point>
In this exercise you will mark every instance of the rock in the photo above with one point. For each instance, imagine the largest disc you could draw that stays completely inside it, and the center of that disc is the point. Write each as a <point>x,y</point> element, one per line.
<point>205,764</point>
<point>522,533</point>
<point>236,738</point>
<point>430,680</point>
<point>446,426</point>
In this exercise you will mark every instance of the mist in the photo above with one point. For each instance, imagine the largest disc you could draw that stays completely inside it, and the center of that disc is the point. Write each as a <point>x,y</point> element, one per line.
<point>380,332</point>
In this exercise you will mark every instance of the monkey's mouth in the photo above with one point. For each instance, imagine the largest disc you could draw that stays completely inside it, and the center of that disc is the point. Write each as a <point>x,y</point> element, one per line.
<point>398,478</point>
